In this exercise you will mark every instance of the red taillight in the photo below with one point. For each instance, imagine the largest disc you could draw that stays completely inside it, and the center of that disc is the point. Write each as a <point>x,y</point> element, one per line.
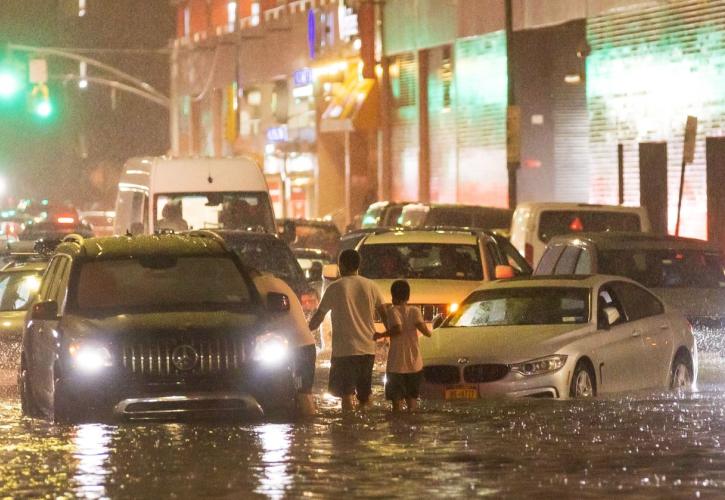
<point>529,253</point>
<point>309,302</point>
<point>65,220</point>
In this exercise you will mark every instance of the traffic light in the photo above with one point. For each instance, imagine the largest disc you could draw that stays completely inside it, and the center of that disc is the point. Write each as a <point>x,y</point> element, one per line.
<point>40,103</point>
<point>11,81</point>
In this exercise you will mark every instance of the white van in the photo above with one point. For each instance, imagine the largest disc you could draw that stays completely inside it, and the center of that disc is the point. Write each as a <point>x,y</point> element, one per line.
<point>158,193</point>
<point>535,223</point>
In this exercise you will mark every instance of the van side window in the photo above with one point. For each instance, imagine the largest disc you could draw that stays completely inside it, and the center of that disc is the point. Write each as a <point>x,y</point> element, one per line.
<point>568,260</point>
<point>638,303</point>
<point>584,264</point>
<point>549,259</point>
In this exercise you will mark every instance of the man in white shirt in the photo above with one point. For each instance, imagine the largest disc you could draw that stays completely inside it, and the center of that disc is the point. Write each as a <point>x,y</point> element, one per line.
<point>353,301</point>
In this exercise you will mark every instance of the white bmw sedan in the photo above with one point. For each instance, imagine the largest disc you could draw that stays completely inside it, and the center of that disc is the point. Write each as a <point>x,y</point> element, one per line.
<point>558,337</point>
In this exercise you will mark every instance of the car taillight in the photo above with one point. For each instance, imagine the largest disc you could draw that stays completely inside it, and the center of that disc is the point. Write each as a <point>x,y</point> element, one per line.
<point>529,253</point>
<point>309,302</point>
<point>63,219</point>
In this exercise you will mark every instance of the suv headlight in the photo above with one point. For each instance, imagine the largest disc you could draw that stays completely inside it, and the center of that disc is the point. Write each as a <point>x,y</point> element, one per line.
<point>89,357</point>
<point>540,366</point>
<point>271,349</point>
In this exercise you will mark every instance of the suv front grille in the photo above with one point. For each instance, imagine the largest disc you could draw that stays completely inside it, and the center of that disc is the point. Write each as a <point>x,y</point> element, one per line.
<point>442,374</point>
<point>477,374</point>
<point>155,357</point>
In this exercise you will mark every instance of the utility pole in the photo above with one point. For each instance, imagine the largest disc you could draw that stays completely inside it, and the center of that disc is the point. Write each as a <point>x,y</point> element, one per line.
<point>513,113</point>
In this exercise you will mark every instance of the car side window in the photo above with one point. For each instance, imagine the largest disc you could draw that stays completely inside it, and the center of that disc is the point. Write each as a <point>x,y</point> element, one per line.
<point>584,264</point>
<point>608,298</point>
<point>549,259</point>
<point>638,303</point>
<point>48,278</point>
<point>568,260</point>
<point>512,257</point>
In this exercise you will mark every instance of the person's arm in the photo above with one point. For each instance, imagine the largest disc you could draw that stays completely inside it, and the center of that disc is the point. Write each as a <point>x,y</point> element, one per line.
<point>319,316</point>
<point>391,332</point>
<point>420,323</point>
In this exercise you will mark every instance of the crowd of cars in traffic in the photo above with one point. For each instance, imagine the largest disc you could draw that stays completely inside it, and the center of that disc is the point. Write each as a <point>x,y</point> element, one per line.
<point>551,300</point>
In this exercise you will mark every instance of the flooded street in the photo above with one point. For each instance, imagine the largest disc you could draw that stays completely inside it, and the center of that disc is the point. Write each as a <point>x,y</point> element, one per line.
<point>650,444</point>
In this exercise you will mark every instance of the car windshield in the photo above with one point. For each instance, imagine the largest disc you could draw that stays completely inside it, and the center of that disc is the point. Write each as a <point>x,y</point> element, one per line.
<point>17,289</point>
<point>269,257</point>
<point>232,210</point>
<point>553,223</point>
<point>421,260</point>
<point>523,306</point>
<point>161,283</point>
<point>665,268</point>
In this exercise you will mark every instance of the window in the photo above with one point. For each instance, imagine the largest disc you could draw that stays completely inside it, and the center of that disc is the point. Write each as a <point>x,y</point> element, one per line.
<point>549,259</point>
<point>637,302</point>
<point>509,256</point>
<point>568,260</point>
<point>554,223</point>
<point>231,15</point>
<point>255,10</point>
<point>524,306</point>
<point>421,261</point>
<point>584,264</point>
<point>17,290</point>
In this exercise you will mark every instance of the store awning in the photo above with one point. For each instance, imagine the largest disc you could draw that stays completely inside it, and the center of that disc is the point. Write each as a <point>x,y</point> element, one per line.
<point>353,108</point>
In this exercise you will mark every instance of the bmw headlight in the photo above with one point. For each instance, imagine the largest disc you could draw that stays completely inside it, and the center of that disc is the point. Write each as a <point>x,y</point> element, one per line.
<point>540,366</point>
<point>89,357</point>
<point>271,349</point>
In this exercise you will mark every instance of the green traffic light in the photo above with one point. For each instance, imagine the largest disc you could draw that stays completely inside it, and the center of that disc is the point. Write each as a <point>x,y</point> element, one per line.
<point>43,108</point>
<point>10,84</point>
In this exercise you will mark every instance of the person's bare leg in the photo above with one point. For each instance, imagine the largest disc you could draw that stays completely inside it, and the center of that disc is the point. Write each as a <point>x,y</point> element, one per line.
<point>306,405</point>
<point>411,403</point>
<point>348,404</point>
<point>397,405</point>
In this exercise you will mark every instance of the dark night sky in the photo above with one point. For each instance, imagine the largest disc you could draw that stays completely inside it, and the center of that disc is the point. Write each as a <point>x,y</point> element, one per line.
<point>44,159</point>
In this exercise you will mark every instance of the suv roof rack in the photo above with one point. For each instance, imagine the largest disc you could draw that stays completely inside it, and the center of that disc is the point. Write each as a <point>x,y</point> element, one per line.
<point>207,233</point>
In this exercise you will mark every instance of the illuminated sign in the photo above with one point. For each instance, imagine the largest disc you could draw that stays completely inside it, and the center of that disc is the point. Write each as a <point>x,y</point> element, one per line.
<point>277,134</point>
<point>302,77</point>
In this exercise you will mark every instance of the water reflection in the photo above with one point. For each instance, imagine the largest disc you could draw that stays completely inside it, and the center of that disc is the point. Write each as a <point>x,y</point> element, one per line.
<point>91,448</point>
<point>275,443</point>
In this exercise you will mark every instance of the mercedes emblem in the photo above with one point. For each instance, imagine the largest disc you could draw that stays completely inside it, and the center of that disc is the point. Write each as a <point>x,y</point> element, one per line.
<point>184,357</point>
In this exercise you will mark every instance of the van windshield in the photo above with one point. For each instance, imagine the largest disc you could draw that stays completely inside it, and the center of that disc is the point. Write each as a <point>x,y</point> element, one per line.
<point>219,210</point>
<point>555,222</point>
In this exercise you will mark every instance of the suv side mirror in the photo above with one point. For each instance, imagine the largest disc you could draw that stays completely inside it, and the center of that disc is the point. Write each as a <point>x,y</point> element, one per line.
<point>277,302</point>
<point>438,321</point>
<point>331,271</point>
<point>45,311</point>
<point>503,272</point>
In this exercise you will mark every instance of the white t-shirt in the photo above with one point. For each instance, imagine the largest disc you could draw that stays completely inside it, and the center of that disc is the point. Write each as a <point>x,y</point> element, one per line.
<point>353,301</point>
<point>404,354</point>
<point>292,324</point>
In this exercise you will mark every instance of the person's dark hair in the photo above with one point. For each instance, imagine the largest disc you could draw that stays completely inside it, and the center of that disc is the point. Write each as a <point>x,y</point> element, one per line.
<point>400,290</point>
<point>349,260</point>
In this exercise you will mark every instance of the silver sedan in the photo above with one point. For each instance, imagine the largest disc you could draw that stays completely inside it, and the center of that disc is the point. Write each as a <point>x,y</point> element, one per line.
<point>559,337</point>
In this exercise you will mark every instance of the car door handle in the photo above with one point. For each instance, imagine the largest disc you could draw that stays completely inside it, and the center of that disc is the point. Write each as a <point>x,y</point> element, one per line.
<point>637,333</point>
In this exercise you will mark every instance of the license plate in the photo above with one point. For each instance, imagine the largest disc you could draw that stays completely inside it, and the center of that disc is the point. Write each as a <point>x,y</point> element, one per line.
<point>462,393</point>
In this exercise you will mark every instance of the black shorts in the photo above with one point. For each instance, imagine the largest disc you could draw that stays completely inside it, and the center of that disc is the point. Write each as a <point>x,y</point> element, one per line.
<point>352,375</point>
<point>403,385</point>
<point>305,358</point>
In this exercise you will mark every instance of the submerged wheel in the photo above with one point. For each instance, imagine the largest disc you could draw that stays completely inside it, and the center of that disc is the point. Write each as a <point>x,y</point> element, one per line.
<point>27,400</point>
<point>681,378</point>
<point>583,383</point>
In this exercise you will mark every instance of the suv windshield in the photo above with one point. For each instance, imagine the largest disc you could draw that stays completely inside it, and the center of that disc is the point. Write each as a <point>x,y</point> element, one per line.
<point>16,290</point>
<point>524,306</point>
<point>421,260</point>
<point>273,257</point>
<point>553,223</point>
<point>232,210</point>
<point>665,268</point>
<point>161,283</point>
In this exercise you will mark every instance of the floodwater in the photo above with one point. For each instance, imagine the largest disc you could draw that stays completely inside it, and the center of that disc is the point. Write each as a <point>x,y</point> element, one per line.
<point>643,445</point>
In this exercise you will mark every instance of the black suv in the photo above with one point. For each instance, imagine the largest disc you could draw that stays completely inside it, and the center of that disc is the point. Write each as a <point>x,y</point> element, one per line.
<point>146,327</point>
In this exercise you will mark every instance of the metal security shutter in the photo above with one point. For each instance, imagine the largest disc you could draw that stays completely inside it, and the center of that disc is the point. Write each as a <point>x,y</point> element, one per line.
<point>442,126</point>
<point>404,127</point>
<point>480,83</point>
<point>649,68</point>
<point>571,143</point>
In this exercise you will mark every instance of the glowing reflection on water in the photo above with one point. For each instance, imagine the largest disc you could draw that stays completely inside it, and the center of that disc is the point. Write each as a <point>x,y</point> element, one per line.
<point>91,448</point>
<point>275,443</point>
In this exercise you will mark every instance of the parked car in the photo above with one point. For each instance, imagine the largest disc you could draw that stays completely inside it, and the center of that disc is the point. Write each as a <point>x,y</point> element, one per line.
<point>687,274</point>
<point>100,221</point>
<point>54,229</point>
<point>307,233</point>
<point>432,215</point>
<point>383,214</point>
<point>19,282</point>
<point>442,267</point>
<point>152,327</point>
<point>534,224</point>
<point>559,337</point>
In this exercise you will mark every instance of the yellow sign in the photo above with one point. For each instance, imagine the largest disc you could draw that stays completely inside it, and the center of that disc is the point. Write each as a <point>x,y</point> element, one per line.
<point>513,134</point>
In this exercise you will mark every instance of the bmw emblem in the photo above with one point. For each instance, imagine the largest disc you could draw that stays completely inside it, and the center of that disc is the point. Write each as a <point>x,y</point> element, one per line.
<point>184,357</point>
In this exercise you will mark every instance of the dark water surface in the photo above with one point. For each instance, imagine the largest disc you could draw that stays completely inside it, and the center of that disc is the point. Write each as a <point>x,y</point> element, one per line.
<point>643,445</point>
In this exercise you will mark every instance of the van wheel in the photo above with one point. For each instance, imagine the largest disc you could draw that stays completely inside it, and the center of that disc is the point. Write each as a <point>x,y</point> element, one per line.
<point>583,384</point>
